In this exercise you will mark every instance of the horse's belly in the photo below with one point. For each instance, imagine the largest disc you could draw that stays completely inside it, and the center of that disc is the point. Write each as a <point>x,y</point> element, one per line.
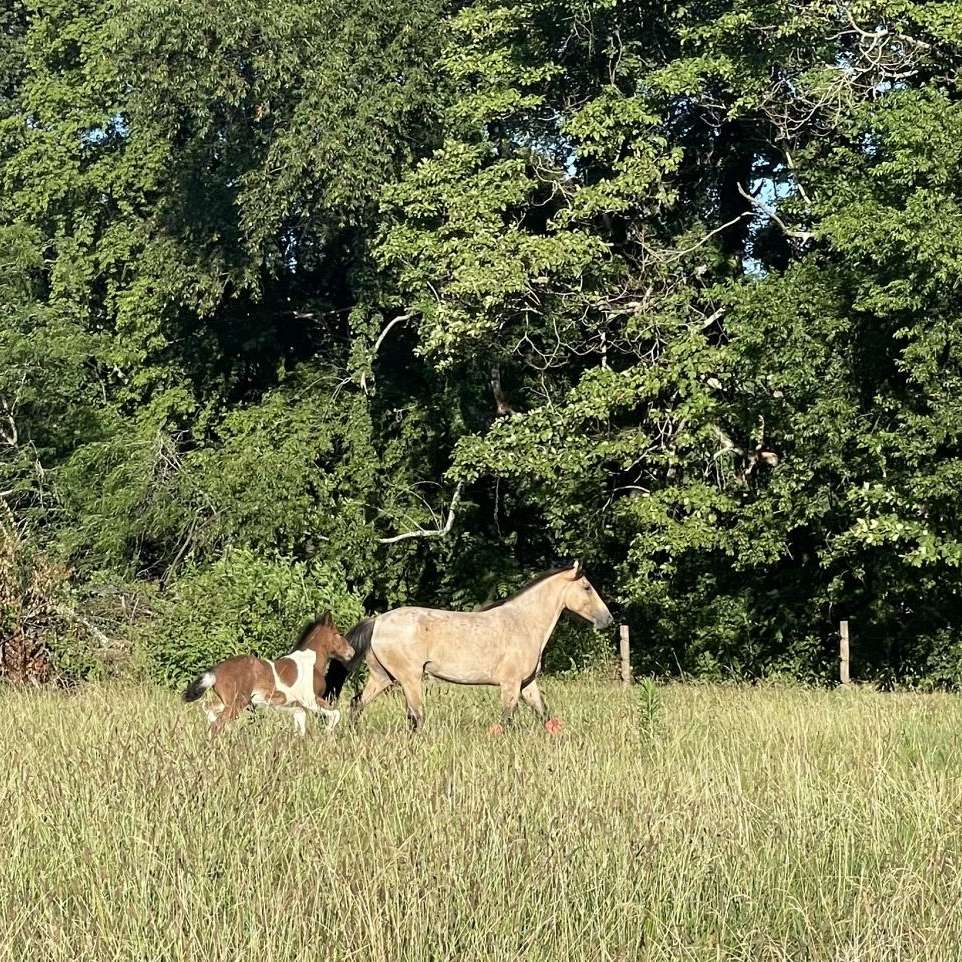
<point>461,676</point>
<point>464,666</point>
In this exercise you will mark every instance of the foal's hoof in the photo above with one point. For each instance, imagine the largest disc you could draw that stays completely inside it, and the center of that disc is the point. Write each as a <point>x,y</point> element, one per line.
<point>496,729</point>
<point>553,726</point>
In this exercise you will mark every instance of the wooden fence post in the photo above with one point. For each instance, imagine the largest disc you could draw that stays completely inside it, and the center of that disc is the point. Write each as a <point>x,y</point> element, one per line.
<point>843,662</point>
<point>625,659</point>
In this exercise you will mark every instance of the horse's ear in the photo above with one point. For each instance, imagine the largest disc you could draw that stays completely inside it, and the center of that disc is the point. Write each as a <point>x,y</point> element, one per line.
<point>327,619</point>
<point>576,571</point>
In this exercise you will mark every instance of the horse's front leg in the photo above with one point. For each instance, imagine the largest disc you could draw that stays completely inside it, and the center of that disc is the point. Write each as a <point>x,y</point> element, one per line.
<point>531,696</point>
<point>510,692</point>
<point>378,682</point>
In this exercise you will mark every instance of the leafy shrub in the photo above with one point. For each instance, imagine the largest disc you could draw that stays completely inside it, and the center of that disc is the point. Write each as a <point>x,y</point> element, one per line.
<point>51,629</point>
<point>940,666</point>
<point>242,603</point>
<point>32,590</point>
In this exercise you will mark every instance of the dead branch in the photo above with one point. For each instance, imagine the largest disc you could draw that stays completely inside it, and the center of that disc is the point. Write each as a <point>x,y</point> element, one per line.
<point>804,236</point>
<point>70,614</point>
<point>380,340</point>
<point>438,532</point>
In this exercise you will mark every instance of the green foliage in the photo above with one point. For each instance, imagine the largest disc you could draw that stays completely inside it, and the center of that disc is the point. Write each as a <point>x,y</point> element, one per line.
<point>241,604</point>
<point>667,287</point>
<point>649,706</point>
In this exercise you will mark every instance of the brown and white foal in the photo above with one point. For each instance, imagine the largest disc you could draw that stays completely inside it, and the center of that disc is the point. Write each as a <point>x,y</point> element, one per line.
<point>294,683</point>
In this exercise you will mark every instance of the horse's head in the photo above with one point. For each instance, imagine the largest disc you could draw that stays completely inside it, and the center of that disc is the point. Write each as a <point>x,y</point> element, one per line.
<point>326,637</point>
<point>581,598</point>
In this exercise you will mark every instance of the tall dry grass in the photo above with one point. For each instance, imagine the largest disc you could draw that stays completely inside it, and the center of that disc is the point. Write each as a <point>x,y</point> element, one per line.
<point>670,824</point>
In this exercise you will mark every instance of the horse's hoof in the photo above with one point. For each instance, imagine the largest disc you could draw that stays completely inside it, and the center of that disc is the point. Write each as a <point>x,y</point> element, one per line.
<point>496,729</point>
<point>553,726</point>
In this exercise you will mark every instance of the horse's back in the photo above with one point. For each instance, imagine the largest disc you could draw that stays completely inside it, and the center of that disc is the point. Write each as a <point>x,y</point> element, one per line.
<point>247,669</point>
<point>239,663</point>
<point>412,623</point>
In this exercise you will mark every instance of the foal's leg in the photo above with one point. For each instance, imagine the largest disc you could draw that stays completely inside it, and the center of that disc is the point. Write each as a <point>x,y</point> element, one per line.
<point>321,707</point>
<point>213,710</point>
<point>227,714</point>
<point>531,696</point>
<point>378,682</point>
<point>300,720</point>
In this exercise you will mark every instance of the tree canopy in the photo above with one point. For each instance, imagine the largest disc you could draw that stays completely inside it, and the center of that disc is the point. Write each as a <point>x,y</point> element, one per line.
<point>361,304</point>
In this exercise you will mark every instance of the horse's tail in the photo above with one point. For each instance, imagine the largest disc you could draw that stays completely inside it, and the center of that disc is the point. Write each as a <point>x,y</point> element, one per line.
<point>198,686</point>
<point>359,638</point>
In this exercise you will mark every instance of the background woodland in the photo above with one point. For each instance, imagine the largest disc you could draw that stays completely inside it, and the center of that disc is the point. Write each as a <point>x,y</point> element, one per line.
<point>312,304</point>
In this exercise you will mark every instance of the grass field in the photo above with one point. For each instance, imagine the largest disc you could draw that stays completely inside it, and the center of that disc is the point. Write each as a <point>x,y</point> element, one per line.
<point>681,823</point>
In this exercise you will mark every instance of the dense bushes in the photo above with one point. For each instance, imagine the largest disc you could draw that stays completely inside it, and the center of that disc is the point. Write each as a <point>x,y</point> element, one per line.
<point>32,589</point>
<point>241,604</point>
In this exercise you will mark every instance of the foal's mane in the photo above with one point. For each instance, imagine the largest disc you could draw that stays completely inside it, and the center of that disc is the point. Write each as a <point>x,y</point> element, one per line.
<point>306,633</point>
<point>534,581</point>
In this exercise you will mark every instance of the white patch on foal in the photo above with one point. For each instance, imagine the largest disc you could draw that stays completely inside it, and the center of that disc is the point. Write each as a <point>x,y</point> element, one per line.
<point>302,691</point>
<point>300,694</point>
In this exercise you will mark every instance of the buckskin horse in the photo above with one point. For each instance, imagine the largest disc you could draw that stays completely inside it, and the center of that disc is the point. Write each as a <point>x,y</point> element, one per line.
<point>295,682</point>
<point>501,644</point>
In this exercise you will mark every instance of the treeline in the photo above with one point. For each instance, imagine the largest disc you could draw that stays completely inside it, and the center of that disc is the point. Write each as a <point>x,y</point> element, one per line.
<point>306,303</point>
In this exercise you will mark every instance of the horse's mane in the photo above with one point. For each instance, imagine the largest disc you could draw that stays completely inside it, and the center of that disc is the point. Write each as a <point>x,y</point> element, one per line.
<point>534,581</point>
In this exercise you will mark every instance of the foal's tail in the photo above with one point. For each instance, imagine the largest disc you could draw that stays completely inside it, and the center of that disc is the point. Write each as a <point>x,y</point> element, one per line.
<point>198,686</point>
<point>359,638</point>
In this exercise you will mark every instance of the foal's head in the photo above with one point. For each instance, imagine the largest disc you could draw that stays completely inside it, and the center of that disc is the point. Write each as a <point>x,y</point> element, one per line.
<point>322,637</point>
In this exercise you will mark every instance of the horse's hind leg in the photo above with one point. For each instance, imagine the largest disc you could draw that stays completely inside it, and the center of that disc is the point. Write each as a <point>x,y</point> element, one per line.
<point>212,711</point>
<point>531,696</point>
<point>227,714</point>
<point>414,696</point>
<point>378,682</point>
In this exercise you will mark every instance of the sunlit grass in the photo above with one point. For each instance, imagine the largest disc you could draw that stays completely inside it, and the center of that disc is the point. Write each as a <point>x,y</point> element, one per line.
<point>685,823</point>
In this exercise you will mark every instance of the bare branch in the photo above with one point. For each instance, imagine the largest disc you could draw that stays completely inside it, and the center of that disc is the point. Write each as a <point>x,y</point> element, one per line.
<point>438,532</point>
<point>799,184</point>
<point>676,255</point>
<point>802,235</point>
<point>387,329</point>
<point>380,341</point>
<point>66,612</point>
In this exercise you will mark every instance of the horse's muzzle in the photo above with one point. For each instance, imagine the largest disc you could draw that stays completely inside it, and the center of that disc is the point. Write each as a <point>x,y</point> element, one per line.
<point>605,622</point>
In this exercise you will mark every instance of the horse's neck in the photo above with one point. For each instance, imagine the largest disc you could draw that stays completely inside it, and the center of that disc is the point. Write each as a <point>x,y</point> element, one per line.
<point>321,657</point>
<point>321,660</point>
<point>541,607</point>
